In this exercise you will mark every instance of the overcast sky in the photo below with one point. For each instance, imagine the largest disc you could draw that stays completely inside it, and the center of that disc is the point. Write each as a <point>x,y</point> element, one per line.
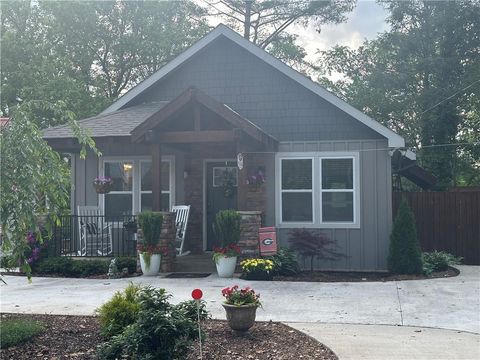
<point>364,22</point>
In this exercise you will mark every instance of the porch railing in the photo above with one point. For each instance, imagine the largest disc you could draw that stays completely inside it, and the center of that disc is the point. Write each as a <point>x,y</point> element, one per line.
<point>94,236</point>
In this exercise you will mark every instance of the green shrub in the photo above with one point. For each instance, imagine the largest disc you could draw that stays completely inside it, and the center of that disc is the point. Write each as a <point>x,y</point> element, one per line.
<point>438,261</point>
<point>84,268</point>
<point>127,262</point>
<point>226,227</point>
<point>14,331</point>
<point>405,256</point>
<point>160,331</point>
<point>68,267</point>
<point>151,224</point>
<point>120,311</point>
<point>285,262</point>
<point>189,309</point>
<point>53,266</point>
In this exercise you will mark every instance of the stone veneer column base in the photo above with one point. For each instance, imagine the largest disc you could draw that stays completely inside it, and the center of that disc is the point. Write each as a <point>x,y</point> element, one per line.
<point>250,224</point>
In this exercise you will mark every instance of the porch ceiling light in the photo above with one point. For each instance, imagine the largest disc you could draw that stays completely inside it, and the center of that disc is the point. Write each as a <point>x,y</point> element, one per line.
<point>127,167</point>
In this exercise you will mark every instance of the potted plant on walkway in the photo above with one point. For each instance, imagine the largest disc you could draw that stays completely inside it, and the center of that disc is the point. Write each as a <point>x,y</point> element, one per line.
<point>241,307</point>
<point>149,248</point>
<point>226,228</point>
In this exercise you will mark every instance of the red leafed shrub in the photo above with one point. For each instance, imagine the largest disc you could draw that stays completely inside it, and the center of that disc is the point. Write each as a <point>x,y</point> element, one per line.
<point>312,244</point>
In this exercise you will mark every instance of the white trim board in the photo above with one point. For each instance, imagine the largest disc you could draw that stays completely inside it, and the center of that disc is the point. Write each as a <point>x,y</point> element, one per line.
<point>394,140</point>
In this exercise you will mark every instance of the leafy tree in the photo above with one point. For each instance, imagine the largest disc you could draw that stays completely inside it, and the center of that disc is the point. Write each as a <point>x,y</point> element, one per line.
<point>405,256</point>
<point>88,53</point>
<point>418,78</point>
<point>269,21</point>
<point>35,180</point>
<point>311,244</point>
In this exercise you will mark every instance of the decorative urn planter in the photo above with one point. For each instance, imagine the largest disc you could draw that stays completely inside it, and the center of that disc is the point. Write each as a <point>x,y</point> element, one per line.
<point>240,317</point>
<point>226,266</point>
<point>152,267</point>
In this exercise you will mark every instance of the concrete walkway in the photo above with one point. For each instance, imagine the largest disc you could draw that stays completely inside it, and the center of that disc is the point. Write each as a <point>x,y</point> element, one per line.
<point>450,303</point>
<point>383,342</point>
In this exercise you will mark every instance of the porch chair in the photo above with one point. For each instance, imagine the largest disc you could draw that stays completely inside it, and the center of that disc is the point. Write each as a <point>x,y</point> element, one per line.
<point>181,220</point>
<point>94,232</point>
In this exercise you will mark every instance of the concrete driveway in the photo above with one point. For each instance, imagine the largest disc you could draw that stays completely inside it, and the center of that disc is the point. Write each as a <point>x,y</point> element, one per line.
<point>450,303</point>
<point>425,319</point>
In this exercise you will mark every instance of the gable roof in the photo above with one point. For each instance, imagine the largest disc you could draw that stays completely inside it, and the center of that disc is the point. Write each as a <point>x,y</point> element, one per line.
<point>116,123</point>
<point>195,95</point>
<point>394,140</point>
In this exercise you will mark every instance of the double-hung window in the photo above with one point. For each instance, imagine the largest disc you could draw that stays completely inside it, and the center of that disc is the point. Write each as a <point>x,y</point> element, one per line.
<point>318,190</point>
<point>119,201</point>
<point>132,186</point>
<point>297,190</point>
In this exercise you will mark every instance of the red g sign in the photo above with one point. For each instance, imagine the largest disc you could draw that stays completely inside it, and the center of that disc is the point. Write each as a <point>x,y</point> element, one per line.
<point>268,241</point>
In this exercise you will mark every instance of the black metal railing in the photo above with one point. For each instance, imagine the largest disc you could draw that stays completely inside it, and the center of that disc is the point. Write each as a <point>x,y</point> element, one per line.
<point>94,236</point>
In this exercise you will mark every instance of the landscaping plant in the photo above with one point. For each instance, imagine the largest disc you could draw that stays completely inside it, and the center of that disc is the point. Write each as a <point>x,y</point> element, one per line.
<point>14,332</point>
<point>31,173</point>
<point>438,261</point>
<point>257,269</point>
<point>159,330</point>
<point>119,312</point>
<point>405,256</point>
<point>313,244</point>
<point>226,228</point>
<point>238,297</point>
<point>285,262</point>
<point>151,224</point>
<point>68,267</point>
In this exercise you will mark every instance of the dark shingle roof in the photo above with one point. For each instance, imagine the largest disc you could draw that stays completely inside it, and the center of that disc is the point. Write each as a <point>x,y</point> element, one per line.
<point>117,123</point>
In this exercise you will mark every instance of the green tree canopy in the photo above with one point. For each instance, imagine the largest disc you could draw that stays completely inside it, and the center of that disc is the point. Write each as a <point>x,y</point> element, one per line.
<point>88,53</point>
<point>422,79</point>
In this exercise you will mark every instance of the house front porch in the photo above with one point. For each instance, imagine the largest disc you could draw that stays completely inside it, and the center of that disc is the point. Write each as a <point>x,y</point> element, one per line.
<point>192,151</point>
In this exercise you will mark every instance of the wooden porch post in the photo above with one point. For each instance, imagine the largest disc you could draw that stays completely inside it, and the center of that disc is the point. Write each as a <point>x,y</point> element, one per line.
<point>156,177</point>
<point>242,175</point>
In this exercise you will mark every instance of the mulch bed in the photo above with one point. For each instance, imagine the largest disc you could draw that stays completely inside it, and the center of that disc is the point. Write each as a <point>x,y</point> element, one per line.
<point>265,341</point>
<point>65,337</point>
<point>339,276</point>
<point>76,337</point>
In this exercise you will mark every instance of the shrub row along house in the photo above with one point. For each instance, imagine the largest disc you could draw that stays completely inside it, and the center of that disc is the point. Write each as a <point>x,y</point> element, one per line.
<point>310,160</point>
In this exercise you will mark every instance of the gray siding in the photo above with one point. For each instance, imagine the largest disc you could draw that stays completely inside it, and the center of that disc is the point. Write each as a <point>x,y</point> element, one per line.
<point>366,248</point>
<point>276,103</point>
<point>85,170</point>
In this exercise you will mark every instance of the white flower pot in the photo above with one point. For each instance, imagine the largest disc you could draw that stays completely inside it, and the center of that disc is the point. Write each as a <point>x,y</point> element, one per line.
<point>154,268</point>
<point>226,266</point>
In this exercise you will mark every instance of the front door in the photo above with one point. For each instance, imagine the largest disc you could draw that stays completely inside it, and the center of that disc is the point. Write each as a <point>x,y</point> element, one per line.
<point>222,181</point>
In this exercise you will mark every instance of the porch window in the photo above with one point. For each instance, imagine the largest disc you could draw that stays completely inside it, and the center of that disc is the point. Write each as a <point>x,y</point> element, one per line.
<point>297,190</point>
<point>132,186</point>
<point>146,197</point>
<point>119,202</point>
<point>318,190</point>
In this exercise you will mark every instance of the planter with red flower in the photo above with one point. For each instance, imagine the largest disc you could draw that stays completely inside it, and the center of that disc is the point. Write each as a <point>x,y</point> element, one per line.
<point>103,184</point>
<point>226,228</point>
<point>148,247</point>
<point>241,307</point>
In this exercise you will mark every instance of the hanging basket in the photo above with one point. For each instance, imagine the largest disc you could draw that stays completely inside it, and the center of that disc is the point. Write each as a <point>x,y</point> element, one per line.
<point>103,188</point>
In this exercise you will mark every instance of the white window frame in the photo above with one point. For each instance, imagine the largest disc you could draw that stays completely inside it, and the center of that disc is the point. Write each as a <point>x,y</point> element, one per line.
<point>282,191</point>
<point>136,181</point>
<point>317,190</point>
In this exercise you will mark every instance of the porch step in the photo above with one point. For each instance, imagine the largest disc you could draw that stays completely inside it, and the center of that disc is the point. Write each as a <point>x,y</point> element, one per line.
<point>191,263</point>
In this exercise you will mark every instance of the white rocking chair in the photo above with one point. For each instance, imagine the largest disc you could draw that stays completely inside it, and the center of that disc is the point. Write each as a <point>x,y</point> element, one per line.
<point>181,220</point>
<point>94,233</point>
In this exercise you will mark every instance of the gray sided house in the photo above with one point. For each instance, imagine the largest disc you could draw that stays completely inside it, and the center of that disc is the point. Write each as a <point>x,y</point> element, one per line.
<point>310,160</point>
